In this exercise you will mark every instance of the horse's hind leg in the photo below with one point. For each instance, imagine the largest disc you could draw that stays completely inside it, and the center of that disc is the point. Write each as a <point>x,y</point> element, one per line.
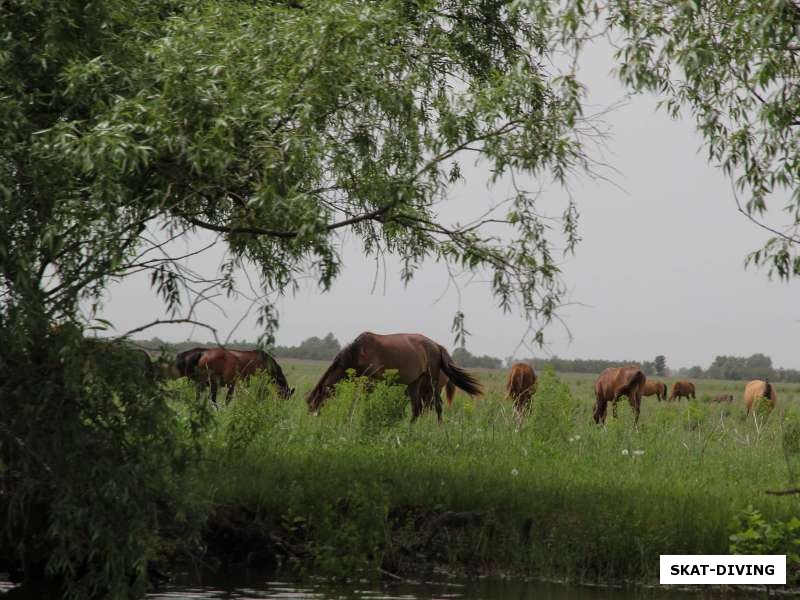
<point>413,392</point>
<point>437,400</point>
<point>230,392</point>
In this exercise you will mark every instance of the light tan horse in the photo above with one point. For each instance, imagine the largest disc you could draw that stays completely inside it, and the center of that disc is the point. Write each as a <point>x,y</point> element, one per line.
<point>659,388</point>
<point>615,382</point>
<point>756,389</point>
<point>418,360</point>
<point>682,389</point>
<point>520,386</point>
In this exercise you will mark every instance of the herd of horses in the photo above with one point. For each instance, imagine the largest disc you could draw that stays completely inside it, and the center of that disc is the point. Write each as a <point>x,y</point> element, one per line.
<point>631,382</point>
<point>426,368</point>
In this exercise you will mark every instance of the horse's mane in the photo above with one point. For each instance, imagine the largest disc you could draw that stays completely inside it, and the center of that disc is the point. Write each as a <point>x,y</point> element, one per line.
<point>344,359</point>
<point>274,369</point>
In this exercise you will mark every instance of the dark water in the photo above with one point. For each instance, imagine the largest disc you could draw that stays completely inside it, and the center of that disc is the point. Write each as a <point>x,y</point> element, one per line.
<point>249,586</point>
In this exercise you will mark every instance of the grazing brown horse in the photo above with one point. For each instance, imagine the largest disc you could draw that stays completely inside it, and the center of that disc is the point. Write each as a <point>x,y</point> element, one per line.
<point>659,388</point>
<point>756,389</point>
<point>418,360</point>
<point>682,389</point>
<point>214,366</point>
<point>723,398</point>
<point>521,385</point>
<point>615,382</point>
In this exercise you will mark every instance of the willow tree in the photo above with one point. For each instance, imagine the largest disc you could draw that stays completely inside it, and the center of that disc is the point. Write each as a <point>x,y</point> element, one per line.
<point>734,66</point>
<point>278,126</point>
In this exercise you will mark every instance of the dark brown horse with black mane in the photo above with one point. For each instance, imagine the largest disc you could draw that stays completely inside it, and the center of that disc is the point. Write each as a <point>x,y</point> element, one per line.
<point>418,360</point>
<point>219,366</point>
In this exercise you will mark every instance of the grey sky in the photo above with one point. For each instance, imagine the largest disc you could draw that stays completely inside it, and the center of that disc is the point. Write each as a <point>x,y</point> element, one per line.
<point>659,269</point>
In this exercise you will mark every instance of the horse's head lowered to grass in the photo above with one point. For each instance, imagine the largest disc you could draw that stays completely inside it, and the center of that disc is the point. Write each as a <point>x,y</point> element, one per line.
<point>344,360</point>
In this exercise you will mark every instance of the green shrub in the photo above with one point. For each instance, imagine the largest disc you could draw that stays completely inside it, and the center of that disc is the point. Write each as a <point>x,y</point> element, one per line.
<point>552,413</point>
<point>349,533</point>
<point>384,406</point>
<point>753,534</point>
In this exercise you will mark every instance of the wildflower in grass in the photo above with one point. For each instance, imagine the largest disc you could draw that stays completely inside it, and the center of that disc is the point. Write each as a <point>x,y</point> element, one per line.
<point>624,452</point>
<point>514,472</point>
<point>638,452</point>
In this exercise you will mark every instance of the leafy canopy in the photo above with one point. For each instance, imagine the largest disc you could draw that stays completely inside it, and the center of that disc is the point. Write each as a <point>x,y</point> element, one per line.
<point>734,65</point>
<point>277,126</point>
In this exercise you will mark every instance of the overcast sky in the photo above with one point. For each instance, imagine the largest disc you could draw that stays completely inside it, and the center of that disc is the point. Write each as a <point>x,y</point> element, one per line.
<point>659,270</point>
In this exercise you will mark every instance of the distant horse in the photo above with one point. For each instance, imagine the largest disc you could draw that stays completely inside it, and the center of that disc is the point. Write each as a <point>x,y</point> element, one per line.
<point>759,389</point>
<point>213,367</point>
<point>418,360</point>
<point>521,385</point>
<point>682,389</point>
<point>615,382</point>
<point>659,388</point>
<point>723,398</point>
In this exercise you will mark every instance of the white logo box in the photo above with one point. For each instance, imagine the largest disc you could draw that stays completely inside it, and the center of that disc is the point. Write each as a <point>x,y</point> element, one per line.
<point>699,569</point>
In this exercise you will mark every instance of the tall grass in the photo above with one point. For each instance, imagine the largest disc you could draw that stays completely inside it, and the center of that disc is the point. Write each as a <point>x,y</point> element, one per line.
<point>359,487</point>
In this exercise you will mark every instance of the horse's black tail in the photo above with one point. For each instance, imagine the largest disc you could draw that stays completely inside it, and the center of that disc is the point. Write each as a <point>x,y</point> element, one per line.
<point>461,378</point>
<point>767,389</point>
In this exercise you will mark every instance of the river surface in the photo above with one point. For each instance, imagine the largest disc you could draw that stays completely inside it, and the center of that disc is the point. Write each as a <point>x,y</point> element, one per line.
<point>252,588</point>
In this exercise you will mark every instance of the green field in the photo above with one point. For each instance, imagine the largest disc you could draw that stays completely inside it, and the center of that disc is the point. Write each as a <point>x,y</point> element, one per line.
<point>359,489</point>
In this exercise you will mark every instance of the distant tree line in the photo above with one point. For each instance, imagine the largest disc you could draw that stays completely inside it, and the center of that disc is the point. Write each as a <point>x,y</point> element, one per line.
<point>592,365</point>
<point>313,348</point>
<point>756,366</point>
<point>464,358</point>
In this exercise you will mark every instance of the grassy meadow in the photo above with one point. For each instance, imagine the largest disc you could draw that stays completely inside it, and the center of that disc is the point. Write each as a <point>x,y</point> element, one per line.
<point>361,490</point>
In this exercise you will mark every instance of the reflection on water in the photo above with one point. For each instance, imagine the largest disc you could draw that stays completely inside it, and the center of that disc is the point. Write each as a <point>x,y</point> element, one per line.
<point>245,588</point>
<point>257,586</point>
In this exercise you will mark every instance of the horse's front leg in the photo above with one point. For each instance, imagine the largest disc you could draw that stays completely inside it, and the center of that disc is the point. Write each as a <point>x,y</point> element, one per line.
<point>230,392</point>
<point>600,410</point>
<point>416,402</point>
<point>213,386</point>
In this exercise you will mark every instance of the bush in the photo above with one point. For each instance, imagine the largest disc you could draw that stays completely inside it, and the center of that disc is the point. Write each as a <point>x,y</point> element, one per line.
<point>552,413</point>
<point>753,534</point>
<point>384,406</point>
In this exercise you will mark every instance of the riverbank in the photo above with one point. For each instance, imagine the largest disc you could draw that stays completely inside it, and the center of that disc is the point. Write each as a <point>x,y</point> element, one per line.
<point>360,491</point>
